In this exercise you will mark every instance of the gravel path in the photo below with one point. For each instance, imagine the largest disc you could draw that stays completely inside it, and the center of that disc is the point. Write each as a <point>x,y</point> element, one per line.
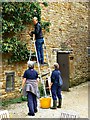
<point>74,102</point>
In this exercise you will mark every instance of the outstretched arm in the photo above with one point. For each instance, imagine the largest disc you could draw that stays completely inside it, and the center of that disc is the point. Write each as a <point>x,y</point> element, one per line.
<point>37,30</point>
<point>23,82</point>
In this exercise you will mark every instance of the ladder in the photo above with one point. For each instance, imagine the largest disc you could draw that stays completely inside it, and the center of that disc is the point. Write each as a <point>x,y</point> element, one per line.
<point>41,74</point>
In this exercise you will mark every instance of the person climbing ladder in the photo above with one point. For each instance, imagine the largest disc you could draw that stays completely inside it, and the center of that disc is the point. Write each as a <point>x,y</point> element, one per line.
<point>39,40</point>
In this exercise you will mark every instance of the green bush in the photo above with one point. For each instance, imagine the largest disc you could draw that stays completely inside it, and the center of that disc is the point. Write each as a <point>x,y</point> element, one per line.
<point>15,16</point>
<point>41,89</point>
<point>11,101</point>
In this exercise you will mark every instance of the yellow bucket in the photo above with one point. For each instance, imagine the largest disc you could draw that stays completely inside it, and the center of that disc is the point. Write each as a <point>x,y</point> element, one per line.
<point>45,102</point>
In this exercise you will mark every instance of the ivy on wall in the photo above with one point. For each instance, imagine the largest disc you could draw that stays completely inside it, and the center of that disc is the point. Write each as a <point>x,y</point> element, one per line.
<point>16,14</point>
<point>17,49</point>
<point>15,17</point>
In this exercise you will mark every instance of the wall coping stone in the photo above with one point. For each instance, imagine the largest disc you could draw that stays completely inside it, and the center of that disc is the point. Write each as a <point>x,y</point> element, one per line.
<point>64,51</point>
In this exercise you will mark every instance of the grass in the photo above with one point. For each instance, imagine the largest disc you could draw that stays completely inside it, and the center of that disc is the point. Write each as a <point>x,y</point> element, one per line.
<point>12,101</point>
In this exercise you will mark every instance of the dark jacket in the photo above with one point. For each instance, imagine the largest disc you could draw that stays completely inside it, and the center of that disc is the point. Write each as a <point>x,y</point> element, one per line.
<point>38,31</point>
<point>55,76</point>
<point>30,74</point>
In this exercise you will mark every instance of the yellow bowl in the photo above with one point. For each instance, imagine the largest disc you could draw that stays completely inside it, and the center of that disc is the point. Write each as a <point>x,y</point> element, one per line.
<point>45,102</point>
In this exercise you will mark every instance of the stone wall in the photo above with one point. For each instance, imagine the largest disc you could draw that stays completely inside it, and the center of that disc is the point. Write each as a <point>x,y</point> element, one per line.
<point>69,31</point>
<point>69,27</point>
<point>19,69</point>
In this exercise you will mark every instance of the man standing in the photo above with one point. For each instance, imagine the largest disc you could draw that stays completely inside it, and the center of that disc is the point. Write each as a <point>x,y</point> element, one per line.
<point>31,87</point>
<point>39,40</point>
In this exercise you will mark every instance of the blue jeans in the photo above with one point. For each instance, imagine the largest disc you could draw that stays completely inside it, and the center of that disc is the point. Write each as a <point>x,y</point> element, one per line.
<point>39,48</point>
<point>32,102</point>
<point>56,92</point>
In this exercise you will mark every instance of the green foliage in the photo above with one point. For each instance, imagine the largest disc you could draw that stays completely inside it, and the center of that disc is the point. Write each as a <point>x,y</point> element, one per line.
<point>45,4</point>
<point>15,17</point>
<point>41,90</point>
<point>17,48</point>
<point>45,25</point>
<point>11,101</point>
<point>24,98</point>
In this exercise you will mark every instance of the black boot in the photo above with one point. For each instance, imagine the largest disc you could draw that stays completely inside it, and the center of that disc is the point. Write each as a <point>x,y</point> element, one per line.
<point>35,110</point>
<point>31,114</point>
<point>54,104</point>
<point>59,103</point>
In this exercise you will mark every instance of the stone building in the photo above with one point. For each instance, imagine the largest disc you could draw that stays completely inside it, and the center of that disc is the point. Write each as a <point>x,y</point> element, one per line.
<point>68,31</point>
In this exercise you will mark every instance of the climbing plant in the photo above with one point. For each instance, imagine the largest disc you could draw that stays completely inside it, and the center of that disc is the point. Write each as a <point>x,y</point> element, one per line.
<point>17,48</point>
<point>15,17</point>
<point>45,25</point>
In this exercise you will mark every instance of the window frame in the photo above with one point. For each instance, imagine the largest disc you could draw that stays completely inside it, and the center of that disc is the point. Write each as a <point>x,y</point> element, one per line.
<point>12,74</point>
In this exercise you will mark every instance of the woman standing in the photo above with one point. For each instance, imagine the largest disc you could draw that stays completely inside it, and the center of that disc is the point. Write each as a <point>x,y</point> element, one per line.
<point>31,87</point>
<point>55,87</point>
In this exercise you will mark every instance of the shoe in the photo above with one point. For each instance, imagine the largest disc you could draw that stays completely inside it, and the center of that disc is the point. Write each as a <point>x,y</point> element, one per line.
<point>31,114</point>
<point>54,104</point>
<point>35,110</point>
<point>59,103</point>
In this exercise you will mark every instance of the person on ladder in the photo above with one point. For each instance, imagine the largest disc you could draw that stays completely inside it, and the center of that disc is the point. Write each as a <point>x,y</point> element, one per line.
<point>55,87</point>
<point>39,40</point>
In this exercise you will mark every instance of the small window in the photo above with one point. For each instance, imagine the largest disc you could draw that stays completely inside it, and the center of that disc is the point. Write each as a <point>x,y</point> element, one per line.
<point>10,81</point>
<point>88,51</point>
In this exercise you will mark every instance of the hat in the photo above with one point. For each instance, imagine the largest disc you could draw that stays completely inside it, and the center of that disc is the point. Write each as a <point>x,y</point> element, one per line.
<point>30,63</point>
